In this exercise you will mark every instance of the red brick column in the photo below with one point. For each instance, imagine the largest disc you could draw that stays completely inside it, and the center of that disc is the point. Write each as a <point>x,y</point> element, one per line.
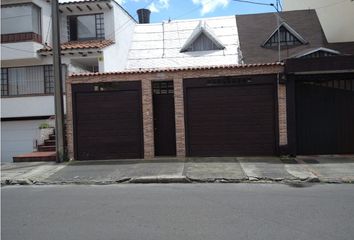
<point>179,113</point>
<point>148,116</point>
<point>283,133</point>
<point>69,122</point>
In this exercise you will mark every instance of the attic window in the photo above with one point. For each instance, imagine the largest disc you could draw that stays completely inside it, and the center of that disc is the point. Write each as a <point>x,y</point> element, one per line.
<point>317,53</point>
<point>203,43</point>
<point>320,54</point>
<point>202,39</point>
<point>288,37</point>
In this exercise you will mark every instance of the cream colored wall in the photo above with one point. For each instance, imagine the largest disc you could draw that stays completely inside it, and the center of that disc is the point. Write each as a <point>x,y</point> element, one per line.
<point>336,16</point>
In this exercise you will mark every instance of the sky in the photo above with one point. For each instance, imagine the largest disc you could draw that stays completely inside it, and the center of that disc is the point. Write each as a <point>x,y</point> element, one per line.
<point>163,10</point>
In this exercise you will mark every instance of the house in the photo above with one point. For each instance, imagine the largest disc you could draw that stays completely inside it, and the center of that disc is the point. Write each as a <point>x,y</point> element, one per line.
<point>188,92</point>
<point>182,94</point>
<point>95,36</point>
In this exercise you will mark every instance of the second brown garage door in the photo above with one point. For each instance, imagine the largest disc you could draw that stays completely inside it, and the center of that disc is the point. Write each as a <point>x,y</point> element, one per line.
<point>230,117</point>
<point>108,121</point>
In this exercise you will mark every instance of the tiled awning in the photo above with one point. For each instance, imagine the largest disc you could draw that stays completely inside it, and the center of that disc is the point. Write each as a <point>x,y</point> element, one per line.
<point>78,45</point>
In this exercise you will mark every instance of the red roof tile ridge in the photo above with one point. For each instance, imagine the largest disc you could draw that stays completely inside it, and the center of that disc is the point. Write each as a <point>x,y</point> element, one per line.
<point>153,70</point>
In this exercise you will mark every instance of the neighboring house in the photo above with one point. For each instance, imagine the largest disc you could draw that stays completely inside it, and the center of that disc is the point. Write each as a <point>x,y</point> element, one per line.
<point>301,36</point>
<point>318,77</point>
<point>95,36</point>
<point>336,17</point>
<point>192,42</point>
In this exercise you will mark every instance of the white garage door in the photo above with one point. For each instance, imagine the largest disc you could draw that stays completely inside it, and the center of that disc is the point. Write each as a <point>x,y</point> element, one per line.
<point>17,137</point>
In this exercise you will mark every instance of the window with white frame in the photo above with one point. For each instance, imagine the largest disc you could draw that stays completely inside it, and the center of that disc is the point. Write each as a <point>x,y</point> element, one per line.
<point>20,18</point>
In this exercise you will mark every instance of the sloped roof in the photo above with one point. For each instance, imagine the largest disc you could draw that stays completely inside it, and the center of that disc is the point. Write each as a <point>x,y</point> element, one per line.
<point>73,45</point>
<point>159,45</point>
<point>254,29</point>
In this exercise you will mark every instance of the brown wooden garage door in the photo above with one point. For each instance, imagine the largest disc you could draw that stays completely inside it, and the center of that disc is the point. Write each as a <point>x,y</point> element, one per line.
<point>325,116</point>
<point>108,121</point>
<point>230,117</point>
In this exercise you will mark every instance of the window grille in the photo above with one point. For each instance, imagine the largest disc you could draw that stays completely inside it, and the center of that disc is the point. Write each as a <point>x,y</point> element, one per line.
<point>164,87</point>
<point>286,39</point>
<point>203,43</point>
<point>4,82</point>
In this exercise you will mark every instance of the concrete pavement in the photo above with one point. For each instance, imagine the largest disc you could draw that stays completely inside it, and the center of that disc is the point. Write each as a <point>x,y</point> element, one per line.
<point>327,169</point>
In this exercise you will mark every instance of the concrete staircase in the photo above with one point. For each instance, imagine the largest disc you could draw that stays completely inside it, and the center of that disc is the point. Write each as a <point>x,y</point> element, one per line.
<point>45,152</point>
<point>48,145</point>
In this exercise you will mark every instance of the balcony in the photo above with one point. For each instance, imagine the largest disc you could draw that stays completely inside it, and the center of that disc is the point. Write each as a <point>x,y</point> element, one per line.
<point>21,34</point>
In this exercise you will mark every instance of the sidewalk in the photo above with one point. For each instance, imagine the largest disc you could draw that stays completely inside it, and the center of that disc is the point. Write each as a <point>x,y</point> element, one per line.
<point>325,169</point>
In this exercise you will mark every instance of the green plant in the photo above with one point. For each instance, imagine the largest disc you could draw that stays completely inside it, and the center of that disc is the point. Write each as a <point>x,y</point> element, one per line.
<point>44,125</point>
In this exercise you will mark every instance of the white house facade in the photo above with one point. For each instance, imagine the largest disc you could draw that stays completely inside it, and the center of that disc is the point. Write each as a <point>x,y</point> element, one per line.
<point>95,37</point>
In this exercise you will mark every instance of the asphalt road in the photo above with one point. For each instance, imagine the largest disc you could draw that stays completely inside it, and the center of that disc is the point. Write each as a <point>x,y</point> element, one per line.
<point>172,211</point>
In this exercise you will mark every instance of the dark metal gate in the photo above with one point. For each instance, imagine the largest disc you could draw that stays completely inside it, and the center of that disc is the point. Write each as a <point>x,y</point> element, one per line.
<point>107,121</point>
<point>325,116</point>
<point>230,116</point>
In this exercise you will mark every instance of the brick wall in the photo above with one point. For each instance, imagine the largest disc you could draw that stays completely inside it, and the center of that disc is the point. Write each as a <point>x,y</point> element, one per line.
<point>146,78</point>
<point>283,133</point>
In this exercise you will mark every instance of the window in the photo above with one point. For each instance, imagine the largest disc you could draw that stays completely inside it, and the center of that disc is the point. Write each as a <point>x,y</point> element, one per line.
<point>4,82</point>
<point>86,27</point>
<point>318,54</point>
<point>165,87</point>
<point>288,37</point>
<point>20,18</point>
<point>28,80</point>
<point>49,79</point>
<point>202,43</point>
<point>202,39</point>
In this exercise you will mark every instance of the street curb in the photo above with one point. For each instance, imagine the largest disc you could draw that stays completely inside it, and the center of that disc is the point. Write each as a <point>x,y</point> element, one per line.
<point>158,179</point>
<point>177,179</point>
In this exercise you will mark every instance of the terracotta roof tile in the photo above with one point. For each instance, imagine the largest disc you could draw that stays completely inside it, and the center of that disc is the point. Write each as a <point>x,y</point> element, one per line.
<point>89,44</point>
<point>156,70</point>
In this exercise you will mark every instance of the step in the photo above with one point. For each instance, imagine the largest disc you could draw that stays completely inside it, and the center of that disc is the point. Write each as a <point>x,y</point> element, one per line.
<point>51,137</point>
<point>44,148</point>
<point>36,157</point>
<point>49,142</point>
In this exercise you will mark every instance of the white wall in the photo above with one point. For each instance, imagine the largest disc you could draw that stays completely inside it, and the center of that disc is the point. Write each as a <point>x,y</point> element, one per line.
<point>115,57</point>
<point>12,107</point>
<point>20,50</point>
<point>336,17</point>
<point>17,137</point>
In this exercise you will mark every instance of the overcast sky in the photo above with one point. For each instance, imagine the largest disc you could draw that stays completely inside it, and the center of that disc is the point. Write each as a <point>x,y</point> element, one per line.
<point>184,9</point>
